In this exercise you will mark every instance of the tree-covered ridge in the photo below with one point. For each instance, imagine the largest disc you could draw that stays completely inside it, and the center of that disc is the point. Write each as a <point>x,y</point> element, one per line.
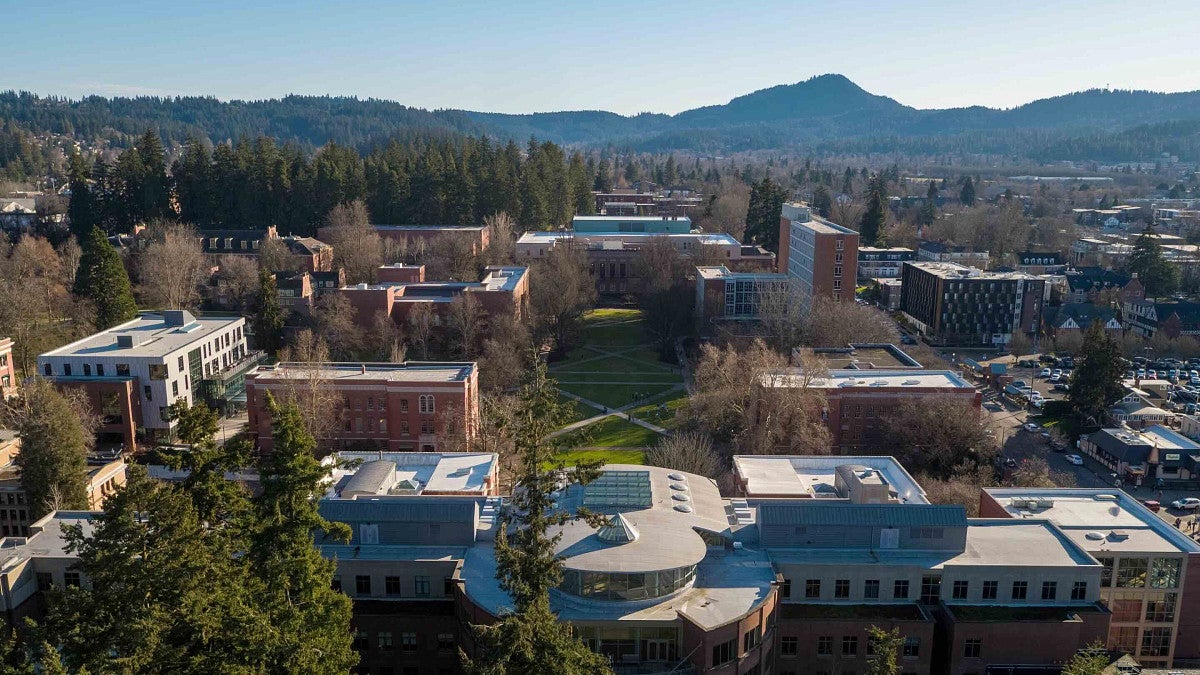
<point>828,109</point>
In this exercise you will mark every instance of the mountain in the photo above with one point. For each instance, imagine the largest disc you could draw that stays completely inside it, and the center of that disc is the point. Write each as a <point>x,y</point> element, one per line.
<point>827,113</point>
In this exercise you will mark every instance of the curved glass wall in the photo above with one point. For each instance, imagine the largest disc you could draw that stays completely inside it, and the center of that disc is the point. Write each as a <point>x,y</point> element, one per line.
<point>624,585</point>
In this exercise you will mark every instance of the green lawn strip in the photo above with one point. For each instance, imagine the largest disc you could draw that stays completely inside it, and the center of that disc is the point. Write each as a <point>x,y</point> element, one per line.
<point>579,411</point>
<point>651,412</point>
<point>613,395</point>
<point>611,432</point>
<point>613,327</point>
<point>613,364</point>
<point>604,455</point>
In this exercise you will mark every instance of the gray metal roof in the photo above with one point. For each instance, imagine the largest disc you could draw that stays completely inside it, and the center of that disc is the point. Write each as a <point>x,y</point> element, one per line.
<point>866,515</point>
<point>371,477</point>
<point>400,509</point>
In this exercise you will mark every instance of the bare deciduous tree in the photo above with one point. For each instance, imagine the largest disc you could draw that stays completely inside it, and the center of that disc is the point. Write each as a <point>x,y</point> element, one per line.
<point>357,247</point>
<point>336,322</point>
<point>238,278</point>
<point>783,311</point>
<point>320,406</point>
<point>274,256</point>
<point>173,267</point>
<point>501,240</point>
<point>935,435</point>
<point>421,322</point>
<point>501,363</point>
<point>837,324</point>
<point>465,320</point>
<point>450,257</point>
<point>561,290</point>
<point>690,451</point>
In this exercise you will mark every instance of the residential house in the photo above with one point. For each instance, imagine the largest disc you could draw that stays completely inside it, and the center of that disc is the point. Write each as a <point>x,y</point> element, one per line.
<point>1080,317</point>
<point>1173,319</point>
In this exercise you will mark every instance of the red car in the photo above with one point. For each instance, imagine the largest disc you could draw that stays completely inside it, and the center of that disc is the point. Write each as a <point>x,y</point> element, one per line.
<point>1152,505</point>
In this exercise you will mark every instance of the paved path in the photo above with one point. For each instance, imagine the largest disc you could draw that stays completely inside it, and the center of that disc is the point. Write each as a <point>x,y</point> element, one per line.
<point>621,412</point>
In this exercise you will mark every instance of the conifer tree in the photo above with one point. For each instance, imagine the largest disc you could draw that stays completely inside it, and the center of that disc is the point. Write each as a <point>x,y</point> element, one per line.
<point>967,194</point>
<point>872,229</point>
<point>1096,380</point>
<point>103,280</point>
<point>82,208</point>
<point>530,640</point>
<point>268,318</point>
<point>1158,276</point>
<point>54,446</point>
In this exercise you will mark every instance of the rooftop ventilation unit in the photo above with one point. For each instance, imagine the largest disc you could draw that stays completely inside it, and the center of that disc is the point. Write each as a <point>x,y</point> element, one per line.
<point>910,383</point>
<point>677,476</point>
<point>879,383</point>
<point>680,497</point>
<point>1106,498</point>
<point>127,341</point>
<point>679,486</point>
<point>1095,536</point>
<point>683,508</point>
<point>1118,535</point>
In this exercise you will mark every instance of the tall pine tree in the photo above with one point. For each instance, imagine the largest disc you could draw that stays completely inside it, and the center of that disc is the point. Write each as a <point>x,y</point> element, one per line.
<point>1158,276</point>
<point>1096,380</point>
<point>103,280</point>
<point>268,317</point>
<point>54,447</point>
<point>872,228</point>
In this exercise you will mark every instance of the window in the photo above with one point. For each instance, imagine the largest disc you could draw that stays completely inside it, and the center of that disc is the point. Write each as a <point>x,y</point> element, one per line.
<point>385,640</point>
<point>960,589</point>
<point>100,370</point>
<point>408,642</point>
<point>1126,606</point>
<point>1131,573</point>
<point>785,589</point>
<point>789,645</point>
<point>1156,642</point>
<point>912,647</point>
<point>837,271</point>
<point>871,589</point>
<point>825,645</point>
<point>812,588</point>
<point>426,404</point>
<point>1079,590</point>
<point>751,638</point>
<point>175,388</point>
<point>336,584</point>
<point>362,641</point>
<point>158,371</point>
<point>849,645</point>
<point>931,589</point>
<point>724,652</point>
<point>71,579</point>
<point>841,244</point>
<point>1164,572</point>
<point>445,642</point>
<point>1160,607</point>
<point>900,589</point>
<point>1020,590</point>
<point>421,586</point>
<point>87,370</point>
<point>403,405</point>
<point>149,392</point>
<point>1049,590</point>
<point>391,585</point>
<point>841,588</point>
<point>122,370</point>
<point>47,370</point>
<point>362,584</point>
<point>972,648</point>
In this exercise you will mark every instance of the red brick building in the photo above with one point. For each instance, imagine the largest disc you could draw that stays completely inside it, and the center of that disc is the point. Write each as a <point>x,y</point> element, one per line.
<point>392,406</point>
<point>501,291</point>
<point>421,236</point>
<point>820,254</point>
<point>8,373</point>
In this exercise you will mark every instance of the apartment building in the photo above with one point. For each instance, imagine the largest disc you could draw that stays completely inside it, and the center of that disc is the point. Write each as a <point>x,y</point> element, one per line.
<point>856,399</point>
<point>953,305</point>
<point>1149,571</point>
<point>133,372</point>
<point>8,371</point>
<point>500,291</point>
<point>389,406</point>
<point>820,255</point>
<point>722,295</point>
<point>936,251</point>
<point>883,263</point>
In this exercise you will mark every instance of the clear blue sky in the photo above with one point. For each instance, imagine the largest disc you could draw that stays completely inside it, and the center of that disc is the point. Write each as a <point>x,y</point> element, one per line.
<point>526,56</point>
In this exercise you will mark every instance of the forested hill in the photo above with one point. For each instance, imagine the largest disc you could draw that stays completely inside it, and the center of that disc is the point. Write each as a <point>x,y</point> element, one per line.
<point>827,113</point>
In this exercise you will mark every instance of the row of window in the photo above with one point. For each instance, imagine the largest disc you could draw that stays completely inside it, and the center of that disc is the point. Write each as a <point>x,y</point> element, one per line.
<point>391,585</point>
<point>728,651</point>
<point>1140,572</point>
<point>425,404</point>
<point>931,585</point>
<point>122,370</point>
<point>408,642</point>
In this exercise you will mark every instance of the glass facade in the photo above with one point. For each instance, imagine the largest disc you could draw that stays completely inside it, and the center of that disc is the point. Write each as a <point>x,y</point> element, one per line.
<point>626,586</point>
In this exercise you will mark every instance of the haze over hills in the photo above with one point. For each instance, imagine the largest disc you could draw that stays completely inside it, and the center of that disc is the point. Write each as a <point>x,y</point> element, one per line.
<point>828,113</point>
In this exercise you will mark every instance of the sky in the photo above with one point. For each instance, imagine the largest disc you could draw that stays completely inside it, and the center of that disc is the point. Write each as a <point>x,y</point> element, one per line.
<point>660,56</point>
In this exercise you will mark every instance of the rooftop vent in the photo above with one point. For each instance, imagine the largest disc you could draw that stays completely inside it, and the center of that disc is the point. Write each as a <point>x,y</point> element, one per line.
<point>677,476</point>
<point>683,508</point>
<point>178,317</point>
<point>1118,535</point>
<point>679,486</point>
<point>127,341</point>
<point>910,383</point>
<point>1106,498</point>
<point>680,497</point>
<point>1094,536</point>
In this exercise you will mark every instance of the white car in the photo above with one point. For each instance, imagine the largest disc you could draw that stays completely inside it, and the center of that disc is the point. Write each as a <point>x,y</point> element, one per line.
<point>1031,427</point>
<point>1045,372</point>
<point>1055,377</point>
<point>1074,459</point>
<point>1187,503</point>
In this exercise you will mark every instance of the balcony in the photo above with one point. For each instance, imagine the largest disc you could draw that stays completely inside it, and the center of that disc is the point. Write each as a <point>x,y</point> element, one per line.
<point>225,390</point>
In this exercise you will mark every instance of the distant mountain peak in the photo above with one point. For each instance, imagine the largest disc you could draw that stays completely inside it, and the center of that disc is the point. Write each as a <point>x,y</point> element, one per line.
<point>818,96</point>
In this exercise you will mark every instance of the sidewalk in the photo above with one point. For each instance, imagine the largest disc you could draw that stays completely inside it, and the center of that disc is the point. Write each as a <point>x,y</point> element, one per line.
<point>612,412</point>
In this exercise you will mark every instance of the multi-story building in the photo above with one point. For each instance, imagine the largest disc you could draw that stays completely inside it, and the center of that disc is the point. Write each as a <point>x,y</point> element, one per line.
<point>104,476</point>
<point>1102,286</point>
<point>856,400</point>
<point>820,255</point>
<point>936,251</point>
<point>1150,571</point>
<point>310,254</point>
<point>631,202</point>
<point>8,372</point>
<point>1173,319</point>
<point>953,305</point>
<point>722,295</point>
<point>501,291</point>
<point>683,580</point>
<point>883,263</point>
<point>389,406</point>
<point>132,372</point>
<point>1040,262</point>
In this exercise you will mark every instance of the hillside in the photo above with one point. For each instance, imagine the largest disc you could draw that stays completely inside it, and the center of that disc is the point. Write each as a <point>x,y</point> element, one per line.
<point>828,113</point>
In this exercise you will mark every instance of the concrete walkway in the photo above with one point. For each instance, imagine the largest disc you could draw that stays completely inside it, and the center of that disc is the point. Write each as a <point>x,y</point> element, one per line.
<point>621,412</point>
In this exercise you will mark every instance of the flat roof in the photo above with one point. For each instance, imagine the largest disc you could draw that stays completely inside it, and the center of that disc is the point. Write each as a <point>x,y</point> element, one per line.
<point>46,538</point>
<point>1090,516</point>
<point>723,272</point>
<point>442,472</point>
<point>409,371</point>
<point>813,475</point>
<point>868,379</point>
<point>630,237</point>
<point>865,356</point>
<point>1019,543</point>
<point>502,278</point>
<point>151,333</point>
<point>955,271</point>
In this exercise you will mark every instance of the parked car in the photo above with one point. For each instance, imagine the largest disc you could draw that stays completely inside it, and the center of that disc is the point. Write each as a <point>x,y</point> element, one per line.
<point>1062,386</point>
<point>1152,505</point>
<point>907,339</point>
<point>1186,504</point>
<point>1045,372</point>
<point>1055,378</point>
<point>1047,358</point>
<point>1027,363</point>
<point>1074,459</point>
<point>1032,426</point>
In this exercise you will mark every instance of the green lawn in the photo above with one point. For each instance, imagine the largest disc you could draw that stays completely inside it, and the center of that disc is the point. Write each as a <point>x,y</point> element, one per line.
<point>651,412</point>
<point>611,432</point>
<point>612,364</point>
<point>613,327</point>
<point>613,395</point>
<point>605,455</point>
<point>578,411</point>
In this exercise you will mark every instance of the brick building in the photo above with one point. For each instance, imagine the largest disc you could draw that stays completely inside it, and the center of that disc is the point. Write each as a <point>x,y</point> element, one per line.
<point>8,372</point>
<point>953,305</point>
<point>722,295</point>
<point>855,399</point>
<point>396,407</point>
<point>104,476</point>
<point>132,372</point>
<point>420,237</point>
<point>501,291</point>
<point>820,254</point>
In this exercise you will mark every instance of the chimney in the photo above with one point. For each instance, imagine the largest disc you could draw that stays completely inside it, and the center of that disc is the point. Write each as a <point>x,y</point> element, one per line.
<point>363,366</point>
